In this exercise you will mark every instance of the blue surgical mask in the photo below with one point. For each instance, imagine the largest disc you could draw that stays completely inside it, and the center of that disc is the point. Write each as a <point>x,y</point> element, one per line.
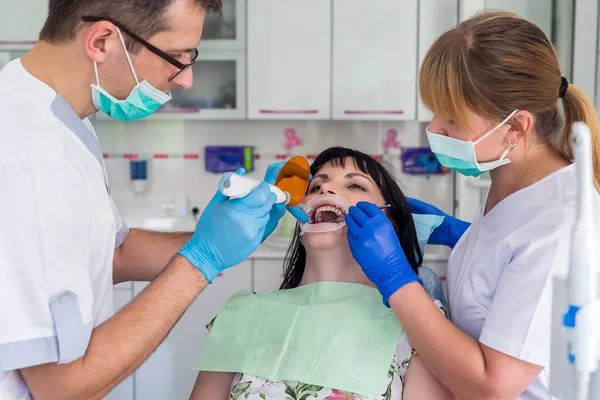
<point>460,156</point>
<point>425,224</point>
<point>143,100</point>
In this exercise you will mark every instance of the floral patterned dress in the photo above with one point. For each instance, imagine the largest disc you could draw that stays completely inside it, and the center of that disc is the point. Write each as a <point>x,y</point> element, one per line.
<point>247,387</point>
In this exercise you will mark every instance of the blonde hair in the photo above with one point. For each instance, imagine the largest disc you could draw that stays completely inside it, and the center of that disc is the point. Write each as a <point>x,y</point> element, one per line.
<point>496,62</point>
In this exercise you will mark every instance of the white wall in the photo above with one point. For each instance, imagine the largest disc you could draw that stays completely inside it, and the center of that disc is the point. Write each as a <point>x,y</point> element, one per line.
<point>168,177</point>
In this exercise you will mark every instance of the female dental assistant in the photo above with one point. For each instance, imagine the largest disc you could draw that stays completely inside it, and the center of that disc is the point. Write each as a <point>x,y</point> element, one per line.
<point>493,83</point>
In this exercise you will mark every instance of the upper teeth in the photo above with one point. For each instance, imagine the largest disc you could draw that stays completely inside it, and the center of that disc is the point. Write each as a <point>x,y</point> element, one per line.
<point>321,209</point>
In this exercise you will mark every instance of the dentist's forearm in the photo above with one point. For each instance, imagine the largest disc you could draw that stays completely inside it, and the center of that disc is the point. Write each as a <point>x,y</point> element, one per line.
<point>145,254</point>
<point>120,345</point>
<point>452,356</point>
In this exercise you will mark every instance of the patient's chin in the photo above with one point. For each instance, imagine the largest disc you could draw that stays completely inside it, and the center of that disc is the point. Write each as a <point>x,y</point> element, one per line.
<point>324,240</point>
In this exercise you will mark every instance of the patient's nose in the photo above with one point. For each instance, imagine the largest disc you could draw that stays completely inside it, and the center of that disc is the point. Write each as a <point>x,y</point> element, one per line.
<point>328,188</point>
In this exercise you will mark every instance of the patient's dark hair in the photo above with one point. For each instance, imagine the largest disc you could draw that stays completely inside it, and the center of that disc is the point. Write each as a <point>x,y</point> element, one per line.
<point>399,213</point>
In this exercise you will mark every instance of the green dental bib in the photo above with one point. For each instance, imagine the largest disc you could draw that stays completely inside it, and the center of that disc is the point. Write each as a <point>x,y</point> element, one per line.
<point>331,334</point>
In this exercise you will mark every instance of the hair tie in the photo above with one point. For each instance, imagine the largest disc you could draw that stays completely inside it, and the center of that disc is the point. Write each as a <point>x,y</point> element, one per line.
<point>564,85</point>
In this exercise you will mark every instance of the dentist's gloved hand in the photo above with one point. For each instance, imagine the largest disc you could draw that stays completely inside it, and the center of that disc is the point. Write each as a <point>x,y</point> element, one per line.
<point>229,231</point>
<point>279,209</point>
<point>448,232</point>
<point>375,246</point>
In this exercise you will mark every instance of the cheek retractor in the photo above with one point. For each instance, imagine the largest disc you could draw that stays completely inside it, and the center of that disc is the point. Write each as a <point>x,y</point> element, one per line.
<point>331,226</point>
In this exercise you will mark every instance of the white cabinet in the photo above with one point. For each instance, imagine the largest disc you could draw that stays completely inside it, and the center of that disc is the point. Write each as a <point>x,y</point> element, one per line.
<point>540,12</point>
<point>226,31</point>
<point>168,373</point>
<point>435,18</point>
<point>122,295</point>
<point>374,59</point>
<point>218,91</point>
<point>289,59</point>
<point>21,22</point>
<point>268,275</point>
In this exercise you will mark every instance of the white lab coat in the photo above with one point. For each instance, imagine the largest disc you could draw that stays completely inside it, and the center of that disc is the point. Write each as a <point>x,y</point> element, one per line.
<point>58,232</point>
<point>500,272</point>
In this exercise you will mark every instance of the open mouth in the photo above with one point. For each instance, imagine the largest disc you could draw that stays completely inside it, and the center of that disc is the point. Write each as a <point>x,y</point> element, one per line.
<point>327,209</point>
<point>327,214</point>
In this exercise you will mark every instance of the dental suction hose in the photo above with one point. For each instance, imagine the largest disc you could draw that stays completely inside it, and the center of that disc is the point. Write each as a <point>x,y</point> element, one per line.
<point>582,320</point>
<point>238,186</point>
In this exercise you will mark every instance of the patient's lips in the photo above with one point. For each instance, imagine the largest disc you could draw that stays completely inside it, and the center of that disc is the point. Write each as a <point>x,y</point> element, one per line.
<point>326,213</point>
<point>327,208</point>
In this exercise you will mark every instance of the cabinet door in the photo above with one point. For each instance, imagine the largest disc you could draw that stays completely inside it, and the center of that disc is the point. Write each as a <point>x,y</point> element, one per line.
<point>435,18</point>
<point>540,12</point>
<point>21,22</point>
<point>218,91</point>
<point>268,275</point>
<point>226,31</point>
<point>289,59</point>
<point>168,373</point>
<point>124,391</point>
<point>374,59</point>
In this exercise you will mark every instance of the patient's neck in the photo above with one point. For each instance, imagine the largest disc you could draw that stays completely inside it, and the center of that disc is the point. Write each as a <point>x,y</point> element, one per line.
<point>333,265</point>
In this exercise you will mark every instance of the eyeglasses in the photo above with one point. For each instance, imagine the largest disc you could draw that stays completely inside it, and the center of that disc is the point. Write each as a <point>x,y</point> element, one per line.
<point>170,59</point>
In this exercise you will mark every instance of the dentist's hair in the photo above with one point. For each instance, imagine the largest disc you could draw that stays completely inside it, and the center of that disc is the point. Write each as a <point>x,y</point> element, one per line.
<point>145,18</point>
<point>496,62</point>
<point>399,213</point>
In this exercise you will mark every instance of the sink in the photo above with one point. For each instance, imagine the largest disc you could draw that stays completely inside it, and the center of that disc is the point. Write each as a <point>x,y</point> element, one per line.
<point>161,224</point>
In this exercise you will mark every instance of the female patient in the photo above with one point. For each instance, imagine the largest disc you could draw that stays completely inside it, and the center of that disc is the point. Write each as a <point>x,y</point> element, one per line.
<point>314,338</point>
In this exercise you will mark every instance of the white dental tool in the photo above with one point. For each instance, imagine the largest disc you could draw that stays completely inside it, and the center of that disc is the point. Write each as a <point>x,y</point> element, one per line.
<point>582,319</point>
<point>238,186</point>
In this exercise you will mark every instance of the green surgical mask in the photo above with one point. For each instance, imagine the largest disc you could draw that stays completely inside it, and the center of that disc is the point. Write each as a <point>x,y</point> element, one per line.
<point>143,100</point>
<point>460,156</point>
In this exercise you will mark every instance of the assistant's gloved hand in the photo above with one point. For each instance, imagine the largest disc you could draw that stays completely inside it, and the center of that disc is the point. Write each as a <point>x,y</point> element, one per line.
<point>279,209</point>
<point>375,246</point>
<point>448,232</point>
<point>229,231</point>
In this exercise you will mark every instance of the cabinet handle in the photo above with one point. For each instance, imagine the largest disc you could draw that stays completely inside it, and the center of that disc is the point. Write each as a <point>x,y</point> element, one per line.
<point>288,111</point>
<point>21,42</point>
<point>364,112</point>
<point>178,110</point>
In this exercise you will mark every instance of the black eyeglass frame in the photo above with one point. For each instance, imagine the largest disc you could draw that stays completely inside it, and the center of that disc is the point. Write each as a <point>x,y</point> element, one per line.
<point>170,59</point>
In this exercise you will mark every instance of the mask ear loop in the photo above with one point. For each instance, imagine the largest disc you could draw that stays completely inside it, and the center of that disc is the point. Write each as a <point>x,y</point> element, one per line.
<point>509,146</point>
<point>96,71</point>
<point>512,114</point>
<point>127,55</point>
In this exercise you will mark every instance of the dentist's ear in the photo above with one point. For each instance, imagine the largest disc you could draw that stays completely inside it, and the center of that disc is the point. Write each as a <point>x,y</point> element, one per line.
<point>521,126</point>
<point>99,38</point>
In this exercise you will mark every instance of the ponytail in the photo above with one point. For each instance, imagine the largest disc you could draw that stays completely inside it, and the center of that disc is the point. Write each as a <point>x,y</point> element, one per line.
<point>579,108</point>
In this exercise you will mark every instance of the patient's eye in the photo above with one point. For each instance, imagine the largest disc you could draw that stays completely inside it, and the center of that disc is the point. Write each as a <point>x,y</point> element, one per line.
<point>357,186</point>
<point>314,188</point>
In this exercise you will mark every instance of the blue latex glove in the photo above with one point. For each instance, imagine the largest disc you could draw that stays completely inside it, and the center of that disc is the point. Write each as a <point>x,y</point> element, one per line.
<point>279,209</point>
<point>229,231</point>
<point>449,231</point>
<point>375,246</point>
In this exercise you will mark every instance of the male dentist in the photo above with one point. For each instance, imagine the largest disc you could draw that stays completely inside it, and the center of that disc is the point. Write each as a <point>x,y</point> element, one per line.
<point>62,242</point>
